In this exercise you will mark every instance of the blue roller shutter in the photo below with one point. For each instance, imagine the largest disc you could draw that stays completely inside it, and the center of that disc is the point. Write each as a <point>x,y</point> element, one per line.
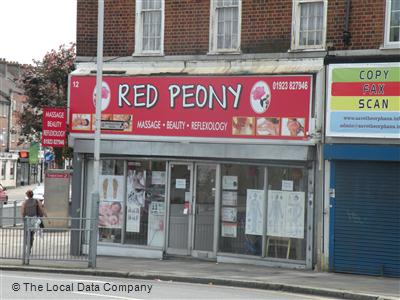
<point>367,218</point>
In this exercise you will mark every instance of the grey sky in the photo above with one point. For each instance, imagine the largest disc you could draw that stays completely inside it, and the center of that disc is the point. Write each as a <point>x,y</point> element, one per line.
<point>31,28</point>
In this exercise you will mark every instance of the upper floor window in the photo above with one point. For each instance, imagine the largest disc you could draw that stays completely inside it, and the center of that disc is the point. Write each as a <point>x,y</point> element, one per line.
<point>392,28</point>
<point>149,27</point>
<point>309,19</point>
<point>225,25</point>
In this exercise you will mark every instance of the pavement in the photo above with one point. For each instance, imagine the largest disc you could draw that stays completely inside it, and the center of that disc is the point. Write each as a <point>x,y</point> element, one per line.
<point>335,285</point>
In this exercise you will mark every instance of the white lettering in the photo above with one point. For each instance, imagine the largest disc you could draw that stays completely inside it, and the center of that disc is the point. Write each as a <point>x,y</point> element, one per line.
<point>123,90</point>
<point>201,89</point>
<point>174,91</point>
<point>137,95</point>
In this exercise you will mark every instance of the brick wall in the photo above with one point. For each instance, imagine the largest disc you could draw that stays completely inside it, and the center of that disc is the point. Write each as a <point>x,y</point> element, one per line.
<point>266,26</point>
<point>86,27</point>
<point>187,25</point>
<point>366,26</point>
<point>119,28</point>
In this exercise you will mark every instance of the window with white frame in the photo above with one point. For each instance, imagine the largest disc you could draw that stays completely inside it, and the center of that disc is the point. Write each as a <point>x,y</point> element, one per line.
<point>225,25</point>
<point>149,27</point>
<point>392,28</point>
<point>309,19</point>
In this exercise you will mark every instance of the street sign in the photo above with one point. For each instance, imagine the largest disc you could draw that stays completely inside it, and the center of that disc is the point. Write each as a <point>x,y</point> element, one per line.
<point>54,127</point>
<point>48,156</point>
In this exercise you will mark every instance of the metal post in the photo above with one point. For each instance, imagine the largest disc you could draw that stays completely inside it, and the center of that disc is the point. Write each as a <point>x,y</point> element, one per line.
<point>96,164</point>
<point>93,232</point>
<point>25,242</point>
<point>1,214</point>
<point>15,214</point>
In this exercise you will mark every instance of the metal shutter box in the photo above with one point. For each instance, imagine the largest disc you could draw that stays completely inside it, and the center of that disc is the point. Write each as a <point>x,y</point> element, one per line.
<point>367,218</point>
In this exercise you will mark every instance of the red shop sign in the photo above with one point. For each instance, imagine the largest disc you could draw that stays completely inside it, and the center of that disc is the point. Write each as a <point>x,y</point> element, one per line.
<point>57,175</point>
<point>213,107</point>
<point>54,127</point>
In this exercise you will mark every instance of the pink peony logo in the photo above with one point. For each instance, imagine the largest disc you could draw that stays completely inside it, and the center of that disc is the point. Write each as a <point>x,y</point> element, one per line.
<point>260,97</point>
<point>104,93</point>
<point>259,93</point>
<point>105,96</point>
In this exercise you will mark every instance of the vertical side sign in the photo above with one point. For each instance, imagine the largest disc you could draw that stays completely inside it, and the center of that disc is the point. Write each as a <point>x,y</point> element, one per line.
<point>54,127</point>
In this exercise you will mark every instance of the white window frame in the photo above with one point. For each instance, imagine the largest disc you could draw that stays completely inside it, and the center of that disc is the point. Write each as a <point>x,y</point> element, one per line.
<point>213,43</point>
<point>139,32</point>
<point>387,43</point>
<point>295,44</point>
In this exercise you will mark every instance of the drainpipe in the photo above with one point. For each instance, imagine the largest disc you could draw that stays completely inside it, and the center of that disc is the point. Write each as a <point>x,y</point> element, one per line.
<point>9,122</point>
<point>346,34</point>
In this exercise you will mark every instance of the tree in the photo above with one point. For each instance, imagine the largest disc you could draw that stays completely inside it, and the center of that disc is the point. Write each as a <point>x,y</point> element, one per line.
<point>46,85</point>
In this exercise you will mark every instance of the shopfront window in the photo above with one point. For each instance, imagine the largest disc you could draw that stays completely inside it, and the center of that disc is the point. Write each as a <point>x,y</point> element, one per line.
<point>145,203</point>
<point>111,200</point>
<point>241,203</point>
<point>286,212</point>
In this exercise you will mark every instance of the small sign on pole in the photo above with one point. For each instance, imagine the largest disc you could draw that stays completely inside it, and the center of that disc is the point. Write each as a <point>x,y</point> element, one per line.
<point>54,127</point>
<point>48,156</point>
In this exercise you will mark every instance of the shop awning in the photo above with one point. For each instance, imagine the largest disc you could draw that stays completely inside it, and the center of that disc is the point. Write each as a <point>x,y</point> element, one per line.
<point>205,67</point>
<point>199,150</point>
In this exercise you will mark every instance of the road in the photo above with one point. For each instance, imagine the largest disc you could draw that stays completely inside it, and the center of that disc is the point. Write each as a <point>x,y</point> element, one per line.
<point>30,285</point>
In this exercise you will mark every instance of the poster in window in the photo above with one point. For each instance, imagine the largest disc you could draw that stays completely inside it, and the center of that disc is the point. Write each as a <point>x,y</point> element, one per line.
<point>133,217</point>
<point>276,213</point>
<point>229,214</point>
<point>229,198</point>
<point>180,184</point>
<point>286,214</point>
<point>155,231</point>
<point>229,230</point>
<point>136,186</point>
<point>110,214</point>
<point>287,185</point>
<point>111,188</point>
<point>158,177</point>
<point>254,212</point>
<point>230,182</point>
<point>295,215</point>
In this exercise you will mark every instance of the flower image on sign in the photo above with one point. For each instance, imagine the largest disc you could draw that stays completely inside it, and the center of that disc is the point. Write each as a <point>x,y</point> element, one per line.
<point>105,96</point>
<point>260,97</point>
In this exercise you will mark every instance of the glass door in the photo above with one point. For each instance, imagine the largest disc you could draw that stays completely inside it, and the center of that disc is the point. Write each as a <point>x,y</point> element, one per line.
<point>204,210</point>
<point>180,208</point>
